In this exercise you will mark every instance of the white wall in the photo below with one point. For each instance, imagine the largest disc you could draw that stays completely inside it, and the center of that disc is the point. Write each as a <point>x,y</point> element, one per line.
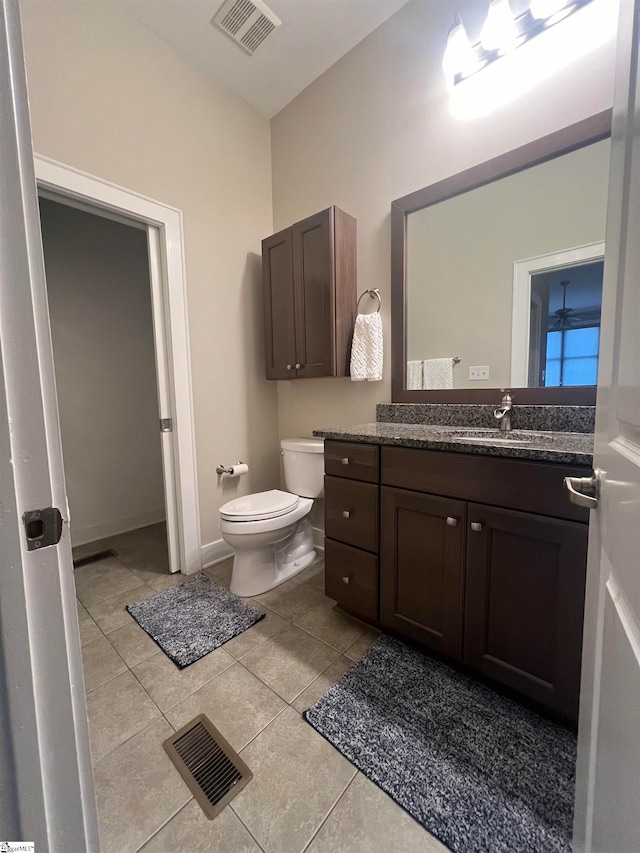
<point>461,254</point>
<point>110,98</point>
<point>102,331</point>
<point>377,126</point>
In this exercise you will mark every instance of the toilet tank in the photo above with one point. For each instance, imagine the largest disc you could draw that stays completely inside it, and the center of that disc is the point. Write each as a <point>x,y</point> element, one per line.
<point>304,466</point>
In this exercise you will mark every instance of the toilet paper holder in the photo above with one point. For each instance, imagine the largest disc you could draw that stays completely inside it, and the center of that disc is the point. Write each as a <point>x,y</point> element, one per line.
<point>220,469</point>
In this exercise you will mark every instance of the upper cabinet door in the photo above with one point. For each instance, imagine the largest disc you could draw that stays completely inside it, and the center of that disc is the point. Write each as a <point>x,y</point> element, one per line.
<point>314,285</point>
<point>279,300</point>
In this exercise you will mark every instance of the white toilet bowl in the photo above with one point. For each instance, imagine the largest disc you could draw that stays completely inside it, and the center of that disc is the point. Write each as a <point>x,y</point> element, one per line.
<point>270,532</point>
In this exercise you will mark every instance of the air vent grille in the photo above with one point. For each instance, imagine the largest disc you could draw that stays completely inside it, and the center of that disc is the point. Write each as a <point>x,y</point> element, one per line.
<point>237,15</point>
<point>247,22</point>
<point>257,33</point>
<point>213,771</point>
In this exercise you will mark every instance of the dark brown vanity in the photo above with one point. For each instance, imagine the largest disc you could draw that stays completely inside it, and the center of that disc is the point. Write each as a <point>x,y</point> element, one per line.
<point>479,559</point>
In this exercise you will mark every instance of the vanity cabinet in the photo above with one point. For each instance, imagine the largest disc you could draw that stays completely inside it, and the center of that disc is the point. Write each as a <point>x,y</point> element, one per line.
<point>309,278</point>
<point>352,512</point>
<point>480,559</point>
<point>422,581</point>
<point>524,603</point>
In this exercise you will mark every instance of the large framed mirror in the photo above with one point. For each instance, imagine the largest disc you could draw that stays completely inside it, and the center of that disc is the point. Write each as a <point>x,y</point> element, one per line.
<point>496,276</point>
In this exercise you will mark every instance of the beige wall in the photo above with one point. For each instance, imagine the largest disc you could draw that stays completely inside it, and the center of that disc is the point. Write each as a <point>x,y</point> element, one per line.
<point>102,330</point>
<point>461,254</point>
<point>377,126</point>
<point>110,98</point>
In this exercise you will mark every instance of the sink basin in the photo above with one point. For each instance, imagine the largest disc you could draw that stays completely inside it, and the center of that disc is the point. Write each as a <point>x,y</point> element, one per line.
<point>514,438</point>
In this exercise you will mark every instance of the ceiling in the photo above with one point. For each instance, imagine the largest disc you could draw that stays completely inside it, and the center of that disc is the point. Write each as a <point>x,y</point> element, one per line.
<point>314,35</point>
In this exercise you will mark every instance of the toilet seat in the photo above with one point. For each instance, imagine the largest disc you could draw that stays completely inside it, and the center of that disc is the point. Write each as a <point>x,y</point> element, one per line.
<point>260,506</point>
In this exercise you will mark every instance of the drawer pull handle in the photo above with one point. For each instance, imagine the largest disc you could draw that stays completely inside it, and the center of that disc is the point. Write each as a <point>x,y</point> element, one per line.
<point>451,521</point>
<point>346,513</point>
<point>345,460</point>
<point>476,526</point>
<point>346,579</point>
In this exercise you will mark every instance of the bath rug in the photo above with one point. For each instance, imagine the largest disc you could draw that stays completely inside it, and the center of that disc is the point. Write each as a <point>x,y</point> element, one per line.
<point>476,769</point>
<point>193,618</point>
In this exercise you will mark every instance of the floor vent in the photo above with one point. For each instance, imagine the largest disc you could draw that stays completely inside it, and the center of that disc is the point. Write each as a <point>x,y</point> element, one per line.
<point>213,771</point>
<point>247,22</point>
<point>93,558</point>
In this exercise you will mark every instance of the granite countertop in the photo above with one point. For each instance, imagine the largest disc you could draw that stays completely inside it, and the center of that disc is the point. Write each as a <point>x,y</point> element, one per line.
<point>562,447</point>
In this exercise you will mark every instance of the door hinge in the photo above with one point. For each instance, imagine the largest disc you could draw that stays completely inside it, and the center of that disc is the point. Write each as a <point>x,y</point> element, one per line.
<point>43,527</point>
<point>166,424</point>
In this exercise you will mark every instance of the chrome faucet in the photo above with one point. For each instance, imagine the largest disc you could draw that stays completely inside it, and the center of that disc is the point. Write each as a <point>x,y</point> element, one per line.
<point>503,413</point>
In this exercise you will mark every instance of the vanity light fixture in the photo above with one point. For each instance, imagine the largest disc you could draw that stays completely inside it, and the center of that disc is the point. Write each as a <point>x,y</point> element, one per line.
<point>501,34</point>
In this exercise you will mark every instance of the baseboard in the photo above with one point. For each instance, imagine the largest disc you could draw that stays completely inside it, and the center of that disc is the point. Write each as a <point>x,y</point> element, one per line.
<point>215,552</point>
<point>318,538</point>
<point>94,532</point>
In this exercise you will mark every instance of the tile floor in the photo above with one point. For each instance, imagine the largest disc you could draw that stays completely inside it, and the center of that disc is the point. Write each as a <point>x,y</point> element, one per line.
<point>304,795</point>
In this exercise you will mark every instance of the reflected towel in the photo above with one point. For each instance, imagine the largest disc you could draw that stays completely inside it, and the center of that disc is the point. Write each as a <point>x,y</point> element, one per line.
<point>366,349</point>
<point>437,374</point>
<point>414,375</point>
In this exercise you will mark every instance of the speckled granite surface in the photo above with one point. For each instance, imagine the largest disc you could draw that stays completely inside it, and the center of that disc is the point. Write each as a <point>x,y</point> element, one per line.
<point>547,418</point>
<point>562,447</point>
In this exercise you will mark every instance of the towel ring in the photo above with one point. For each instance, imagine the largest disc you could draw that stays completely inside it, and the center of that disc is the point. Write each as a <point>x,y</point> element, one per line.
<point>374,294</point>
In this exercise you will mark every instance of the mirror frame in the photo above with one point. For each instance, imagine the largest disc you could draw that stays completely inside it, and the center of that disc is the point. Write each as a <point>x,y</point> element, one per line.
<point>586,132</point>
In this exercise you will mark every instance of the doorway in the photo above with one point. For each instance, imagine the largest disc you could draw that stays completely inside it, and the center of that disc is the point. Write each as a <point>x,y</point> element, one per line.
<point>99,296</point>
<point>161,227</point>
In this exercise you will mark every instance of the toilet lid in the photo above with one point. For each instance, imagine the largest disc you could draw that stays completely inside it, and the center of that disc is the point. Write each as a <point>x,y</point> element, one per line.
<point>260,506</point>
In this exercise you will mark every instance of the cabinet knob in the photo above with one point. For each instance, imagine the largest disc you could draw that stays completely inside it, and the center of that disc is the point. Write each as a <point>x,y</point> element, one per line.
<point>451,521</point>
<point>346,580</point>
<point>289,367</point>
<point>475,525</point>
<point>298,366</point>
<point>346,513</point>
<point>345,460</point>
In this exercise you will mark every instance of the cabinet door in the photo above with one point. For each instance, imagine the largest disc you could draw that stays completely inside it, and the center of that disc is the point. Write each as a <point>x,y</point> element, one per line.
<point>313,272</point>
<point>280,334</point>
<point>422,568</point>
<point>524,603</point>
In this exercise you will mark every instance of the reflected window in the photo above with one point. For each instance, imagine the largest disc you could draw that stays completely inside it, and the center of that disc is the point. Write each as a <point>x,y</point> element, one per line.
<point>572,357</point>
<point>566,305</point>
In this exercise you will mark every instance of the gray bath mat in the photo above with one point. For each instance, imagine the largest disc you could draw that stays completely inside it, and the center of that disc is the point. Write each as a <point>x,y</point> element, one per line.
<point>193,618</point>
<point>477,770</point>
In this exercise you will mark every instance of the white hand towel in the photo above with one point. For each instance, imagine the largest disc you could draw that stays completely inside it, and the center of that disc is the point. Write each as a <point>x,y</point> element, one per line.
<point>366,349</point>
<point>414,375</point>
<point>438,374</point>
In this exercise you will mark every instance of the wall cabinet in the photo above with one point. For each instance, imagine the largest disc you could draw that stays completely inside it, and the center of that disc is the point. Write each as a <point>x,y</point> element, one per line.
<point>498,588</point>
<point>309,277</point>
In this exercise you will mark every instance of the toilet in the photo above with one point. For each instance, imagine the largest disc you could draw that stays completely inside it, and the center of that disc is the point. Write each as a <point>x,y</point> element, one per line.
<point>270,532</point>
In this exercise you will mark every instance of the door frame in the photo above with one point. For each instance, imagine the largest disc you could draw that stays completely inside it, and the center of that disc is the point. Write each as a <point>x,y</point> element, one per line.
<point>520,322</point>
<point>163,224</point>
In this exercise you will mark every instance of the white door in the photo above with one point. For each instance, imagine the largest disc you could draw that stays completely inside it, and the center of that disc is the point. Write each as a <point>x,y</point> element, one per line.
<point>49,770</point>
<point>608,779</point>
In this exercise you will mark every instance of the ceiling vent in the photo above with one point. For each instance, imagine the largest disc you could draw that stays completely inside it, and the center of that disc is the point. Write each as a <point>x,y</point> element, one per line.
<point>247,22</point>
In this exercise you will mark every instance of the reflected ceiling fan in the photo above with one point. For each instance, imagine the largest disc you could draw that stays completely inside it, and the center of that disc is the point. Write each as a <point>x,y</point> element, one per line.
<point>565,317</point>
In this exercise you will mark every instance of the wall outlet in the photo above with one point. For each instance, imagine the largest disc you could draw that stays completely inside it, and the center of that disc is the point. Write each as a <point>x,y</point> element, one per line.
<point>479,372</point>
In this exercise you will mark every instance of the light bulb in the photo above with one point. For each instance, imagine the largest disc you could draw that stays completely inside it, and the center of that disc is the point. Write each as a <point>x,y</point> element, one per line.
<point>459,56</point>
<point>543,9</point>
<point>499,31</point>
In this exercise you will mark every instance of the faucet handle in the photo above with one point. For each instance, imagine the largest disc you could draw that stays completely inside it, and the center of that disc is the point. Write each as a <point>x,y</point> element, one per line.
<point>507,398</point>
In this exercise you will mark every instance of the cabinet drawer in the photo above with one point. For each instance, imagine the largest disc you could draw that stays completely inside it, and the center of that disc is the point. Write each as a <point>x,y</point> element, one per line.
<point>351,578</point>
<point>351,512</point>
<point>352,460</point>
<point>522,485</point>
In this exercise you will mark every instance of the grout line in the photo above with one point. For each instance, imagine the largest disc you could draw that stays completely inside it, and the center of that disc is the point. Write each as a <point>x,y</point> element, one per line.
<point>160,828</point>
<point>143,729</point>
<point>246,827</point>
<point>330,812</point>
